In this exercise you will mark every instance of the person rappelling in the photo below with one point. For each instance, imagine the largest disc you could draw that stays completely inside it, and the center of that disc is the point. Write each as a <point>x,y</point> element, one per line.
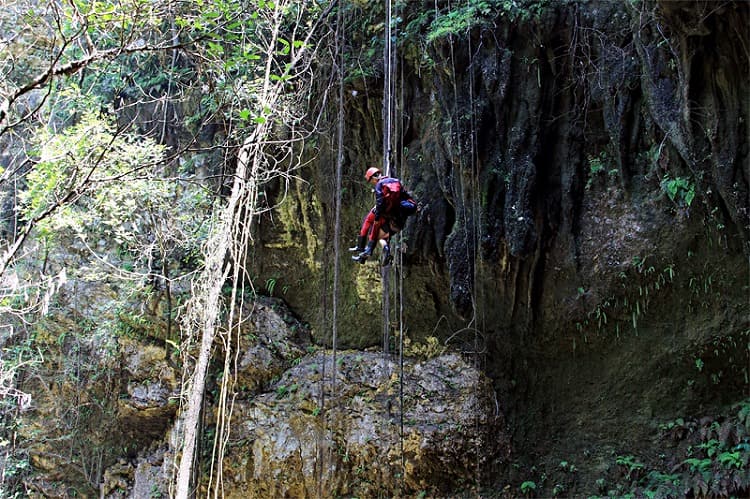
<point>393,205</point>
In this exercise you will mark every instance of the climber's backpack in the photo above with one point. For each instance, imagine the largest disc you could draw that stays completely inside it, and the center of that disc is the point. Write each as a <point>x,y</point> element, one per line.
<point>391,189</point>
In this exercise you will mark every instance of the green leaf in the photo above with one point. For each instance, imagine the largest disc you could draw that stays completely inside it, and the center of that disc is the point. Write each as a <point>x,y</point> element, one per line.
<point>672,187</point>
<point>690,195</point>
<point>286,47</point>
<point>528,486</point>
<point>215,48</point>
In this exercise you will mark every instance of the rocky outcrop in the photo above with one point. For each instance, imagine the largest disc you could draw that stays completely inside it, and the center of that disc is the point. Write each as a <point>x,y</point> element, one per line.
<point>153,390</point>
<point>269,343</point>
<point>379,428</point>
<point>311,436</point>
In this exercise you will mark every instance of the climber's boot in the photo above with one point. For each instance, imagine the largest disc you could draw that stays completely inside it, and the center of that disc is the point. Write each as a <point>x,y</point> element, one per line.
<point>387,257</point>
<point>360,247</point>
<point>362,257</point>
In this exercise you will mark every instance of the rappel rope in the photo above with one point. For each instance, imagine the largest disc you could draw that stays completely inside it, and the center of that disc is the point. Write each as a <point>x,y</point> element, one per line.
<point>387,90</point>
<point>389,112</point>
<point>401,329</point>
<point>476,234</point>
<point>387,127</point>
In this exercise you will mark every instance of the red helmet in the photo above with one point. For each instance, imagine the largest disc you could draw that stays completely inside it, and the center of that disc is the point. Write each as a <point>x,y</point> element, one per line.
<point>370,172</point>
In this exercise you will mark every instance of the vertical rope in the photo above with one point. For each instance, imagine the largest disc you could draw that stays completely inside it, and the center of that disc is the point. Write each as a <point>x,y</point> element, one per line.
<point>388,115</point>
<point>400,270</point>
<point>339,63</point>
<point>319,461</point>
<point>385,272</point>
<point>387,89</point>
<point>399,258</point>
<point>387,147</point>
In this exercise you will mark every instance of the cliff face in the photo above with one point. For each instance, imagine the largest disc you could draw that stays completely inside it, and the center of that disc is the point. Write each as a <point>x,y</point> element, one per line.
<point>583,175</point>
<point>513,135</point>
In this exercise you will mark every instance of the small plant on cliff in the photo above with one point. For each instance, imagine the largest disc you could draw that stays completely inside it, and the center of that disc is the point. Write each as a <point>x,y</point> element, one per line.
<point>631,465</point>
<point>465,16</point>
<point>270,285</point>
<point>680,190</point>
<point>528,488</point>
<point>597,167</point>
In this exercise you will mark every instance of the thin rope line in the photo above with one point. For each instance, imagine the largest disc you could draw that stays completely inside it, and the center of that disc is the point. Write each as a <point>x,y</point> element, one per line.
<point>387,90</point>
<point>386,312</point>
<point>388,115</point>
<point>470,234</point>
<point>399,258</point>
<point>400,270</point>
<point>336,245</point>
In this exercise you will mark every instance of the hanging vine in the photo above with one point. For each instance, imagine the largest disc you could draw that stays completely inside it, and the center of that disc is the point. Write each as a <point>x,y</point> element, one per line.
<point>226,251</point>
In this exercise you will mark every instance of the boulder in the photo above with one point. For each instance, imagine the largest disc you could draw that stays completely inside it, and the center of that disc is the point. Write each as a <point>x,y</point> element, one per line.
<point>379,430</point>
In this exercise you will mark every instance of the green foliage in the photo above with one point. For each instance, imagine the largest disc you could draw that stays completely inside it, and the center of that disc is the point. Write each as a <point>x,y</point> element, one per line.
<point>224,33</point>
<point>630,463</point>
<point>528,487</point>
<point>680,190</point>
<point>710,457</point>
<point>38,33</point>
<point>462,17</point>
<point>283,391</point>
<point>110,187</point>
<point>367,30</point>
<point>567,466</point>
<point>270,285</point>
<point>16,467</point>
<point>131,323</point>
<point>598,166</point>
<point>722,359</point>
<point>639,284</point>
<point>84,159</point>
<point>236,59</point>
